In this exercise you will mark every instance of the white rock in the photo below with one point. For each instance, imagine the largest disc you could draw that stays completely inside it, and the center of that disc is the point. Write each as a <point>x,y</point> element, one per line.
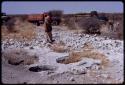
<point>104,75</point>
<point>72,79</point>
<point>78,70</point>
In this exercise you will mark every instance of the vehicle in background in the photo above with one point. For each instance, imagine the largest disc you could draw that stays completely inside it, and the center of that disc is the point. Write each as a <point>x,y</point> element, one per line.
<point>38,19</point>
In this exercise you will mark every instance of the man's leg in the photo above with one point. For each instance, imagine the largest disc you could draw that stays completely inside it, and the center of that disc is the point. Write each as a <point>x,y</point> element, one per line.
<point>50,37</point>
<point>47,37</point>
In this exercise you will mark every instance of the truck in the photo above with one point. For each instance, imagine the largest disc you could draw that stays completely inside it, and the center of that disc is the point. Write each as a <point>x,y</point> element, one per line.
<point>38,19</point>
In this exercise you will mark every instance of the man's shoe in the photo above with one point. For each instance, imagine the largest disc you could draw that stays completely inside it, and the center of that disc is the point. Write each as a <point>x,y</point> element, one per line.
<point>53,40</point>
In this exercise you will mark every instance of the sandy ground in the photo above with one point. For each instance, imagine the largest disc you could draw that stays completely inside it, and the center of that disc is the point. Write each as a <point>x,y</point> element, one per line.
<point>72,73</point>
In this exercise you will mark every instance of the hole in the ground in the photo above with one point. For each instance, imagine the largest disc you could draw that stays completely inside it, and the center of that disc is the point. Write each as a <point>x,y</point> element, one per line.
<point>42,68</point>
<point>15,63</point>
<point>67,60</point>
<point>62,59</point>
<point>72,58</point>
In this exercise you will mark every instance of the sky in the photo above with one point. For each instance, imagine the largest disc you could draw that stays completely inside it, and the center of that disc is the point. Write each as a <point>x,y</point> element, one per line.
<point>23,7</point>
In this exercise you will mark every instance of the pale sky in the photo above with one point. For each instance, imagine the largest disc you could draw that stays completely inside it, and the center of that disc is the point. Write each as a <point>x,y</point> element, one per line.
<point>27,7</point>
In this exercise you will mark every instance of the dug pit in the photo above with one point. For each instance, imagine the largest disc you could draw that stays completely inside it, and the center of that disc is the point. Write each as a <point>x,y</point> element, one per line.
<point>42,68</point>
<point>88,51</point>
<point>75,57</point>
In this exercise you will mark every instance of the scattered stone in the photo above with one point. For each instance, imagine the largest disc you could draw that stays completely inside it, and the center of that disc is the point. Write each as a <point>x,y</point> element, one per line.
<point>72,79</point>
<point>41,41</point>
<point>74,42</point>
<point>26,44</point>
<point>31,47</point>
<point>57,81</point>
<point>104,75</point>
<point>95,67</point>
<point>61,59</point>
<point>50,72</point>
<point>108,53</point>
<point>83,63</point>
<point>48,45</point>
<point>24,82</point>
<point>78,70</point>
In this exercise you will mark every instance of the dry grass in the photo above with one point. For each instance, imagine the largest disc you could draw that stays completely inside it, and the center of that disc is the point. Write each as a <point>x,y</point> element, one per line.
<point>59,47</point>
<point>104,29</point>
<point>21,30</point>
<point>28,31</point>
<point>78,31</point>
<point>87,52</point>
<point>17,55</point>
<point>73,57</point>
<point>87,46</point>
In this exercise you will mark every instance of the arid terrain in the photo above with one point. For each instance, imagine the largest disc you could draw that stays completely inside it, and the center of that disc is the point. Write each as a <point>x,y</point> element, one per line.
<point>74,58</point>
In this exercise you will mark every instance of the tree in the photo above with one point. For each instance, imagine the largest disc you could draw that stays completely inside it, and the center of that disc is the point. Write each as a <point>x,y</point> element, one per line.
<point>57,13</point>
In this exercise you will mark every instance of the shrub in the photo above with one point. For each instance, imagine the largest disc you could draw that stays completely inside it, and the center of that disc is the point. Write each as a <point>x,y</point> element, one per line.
<point>57,13</point>
<point>90,25</point>
<point>70,22</point>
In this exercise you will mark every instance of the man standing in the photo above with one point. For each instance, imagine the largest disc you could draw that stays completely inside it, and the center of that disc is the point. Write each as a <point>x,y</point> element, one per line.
<point>48,28</point>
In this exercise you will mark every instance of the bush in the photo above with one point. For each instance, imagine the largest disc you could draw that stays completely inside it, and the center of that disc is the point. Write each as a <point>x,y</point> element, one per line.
<point>87,24</point>
<point>70,22</point>
<point>90,25</point>
<point>10,24</point>
<point>57,13</point>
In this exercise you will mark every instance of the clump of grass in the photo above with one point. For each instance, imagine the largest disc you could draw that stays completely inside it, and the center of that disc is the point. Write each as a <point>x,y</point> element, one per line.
<point>59,47</point>
<point>27,31</point>
<point>73,57</point>
<point>87,46</point>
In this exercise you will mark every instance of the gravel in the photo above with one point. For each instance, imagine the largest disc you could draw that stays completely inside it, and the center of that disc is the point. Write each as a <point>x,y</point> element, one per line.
<point>113,49</point>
